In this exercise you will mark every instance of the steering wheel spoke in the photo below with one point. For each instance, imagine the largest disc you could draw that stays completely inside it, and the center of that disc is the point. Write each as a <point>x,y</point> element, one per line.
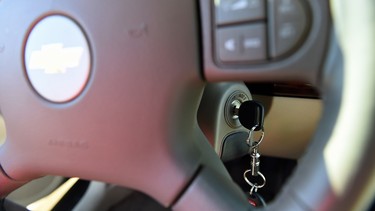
<point>123,126</point>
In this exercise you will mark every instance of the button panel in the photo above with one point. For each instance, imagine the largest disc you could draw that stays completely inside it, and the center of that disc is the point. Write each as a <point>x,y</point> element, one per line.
<point>251,31</point>
<point>287,24</point>
<point>245,43</point>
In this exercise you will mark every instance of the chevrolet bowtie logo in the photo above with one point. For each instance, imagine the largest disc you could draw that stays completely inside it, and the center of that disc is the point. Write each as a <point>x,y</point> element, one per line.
<point>55,59</point>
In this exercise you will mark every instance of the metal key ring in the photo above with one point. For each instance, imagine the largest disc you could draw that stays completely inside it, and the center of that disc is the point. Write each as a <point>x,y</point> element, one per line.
<point>251,134</point>
<point>256,186</point>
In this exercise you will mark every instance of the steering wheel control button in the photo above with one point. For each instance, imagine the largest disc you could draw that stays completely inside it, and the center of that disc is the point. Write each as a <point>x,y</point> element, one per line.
<point>287,25</point>
<point>57,59</point>
<point>250,32</point>
<point>234,11</point>
<point>244,43</point>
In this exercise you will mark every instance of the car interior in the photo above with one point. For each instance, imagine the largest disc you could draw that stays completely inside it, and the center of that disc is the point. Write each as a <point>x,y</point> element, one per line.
<point>187,105</point>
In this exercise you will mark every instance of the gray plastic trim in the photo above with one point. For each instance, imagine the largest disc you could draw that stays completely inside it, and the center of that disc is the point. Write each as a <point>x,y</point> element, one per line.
<point>211,112</point>
<point>35,190</point>
<point>210,191</point>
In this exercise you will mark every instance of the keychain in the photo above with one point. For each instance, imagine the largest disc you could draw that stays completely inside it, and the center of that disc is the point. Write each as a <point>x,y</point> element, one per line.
<point>254,197</point>
<point>251,116</point>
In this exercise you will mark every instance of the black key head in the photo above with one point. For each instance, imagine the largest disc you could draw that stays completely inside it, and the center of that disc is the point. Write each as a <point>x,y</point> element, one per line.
<point>251,114</point>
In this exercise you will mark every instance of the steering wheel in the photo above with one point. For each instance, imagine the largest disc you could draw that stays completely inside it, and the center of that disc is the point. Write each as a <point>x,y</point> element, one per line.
<point>126,114</point>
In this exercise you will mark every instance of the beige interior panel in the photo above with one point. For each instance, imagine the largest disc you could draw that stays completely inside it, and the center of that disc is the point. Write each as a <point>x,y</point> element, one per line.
<point>289,125</point>
<point>2,130</point>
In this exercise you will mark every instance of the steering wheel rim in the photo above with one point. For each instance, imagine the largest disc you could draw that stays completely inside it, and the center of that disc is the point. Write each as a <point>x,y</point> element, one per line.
<point>191,162</point>
<point>340,174</point>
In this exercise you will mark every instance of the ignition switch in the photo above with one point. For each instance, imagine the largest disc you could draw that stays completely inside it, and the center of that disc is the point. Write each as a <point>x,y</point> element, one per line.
<point>232,107</point>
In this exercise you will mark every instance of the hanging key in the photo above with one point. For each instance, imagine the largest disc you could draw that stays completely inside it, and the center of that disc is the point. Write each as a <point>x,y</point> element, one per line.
<point>251,116</point>
<point>234,146</point>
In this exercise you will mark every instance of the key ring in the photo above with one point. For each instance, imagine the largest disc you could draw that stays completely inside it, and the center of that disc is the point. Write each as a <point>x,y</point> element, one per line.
<point>248,141</point>
<point>254,186</point>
